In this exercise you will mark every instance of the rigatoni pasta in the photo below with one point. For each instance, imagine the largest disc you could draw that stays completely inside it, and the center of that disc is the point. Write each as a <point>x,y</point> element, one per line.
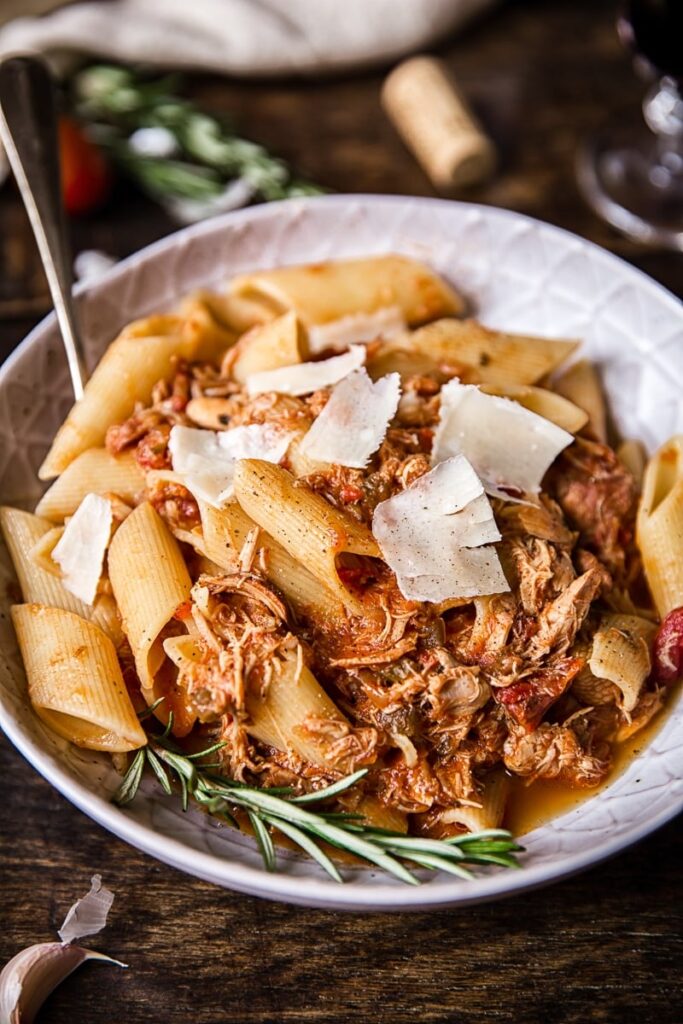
<point>311,530</point>
<point>150,582</point>
<point>74,679</point>
<point>660,525</point>
<point>330,291</point>
<point>94,470</point>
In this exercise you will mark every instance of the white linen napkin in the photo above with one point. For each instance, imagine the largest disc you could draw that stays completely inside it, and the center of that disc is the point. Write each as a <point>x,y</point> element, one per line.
<point>236,37</point>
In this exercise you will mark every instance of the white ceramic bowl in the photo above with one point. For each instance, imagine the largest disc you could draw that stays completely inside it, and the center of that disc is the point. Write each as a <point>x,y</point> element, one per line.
<point>519,274</point>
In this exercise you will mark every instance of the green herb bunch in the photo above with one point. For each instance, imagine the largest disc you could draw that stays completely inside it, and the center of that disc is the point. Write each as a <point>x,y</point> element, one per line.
<point>201,158</point>
<point>277,809</point>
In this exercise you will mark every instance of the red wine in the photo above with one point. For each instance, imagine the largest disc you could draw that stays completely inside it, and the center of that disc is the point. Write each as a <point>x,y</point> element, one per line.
<point>654,29</point>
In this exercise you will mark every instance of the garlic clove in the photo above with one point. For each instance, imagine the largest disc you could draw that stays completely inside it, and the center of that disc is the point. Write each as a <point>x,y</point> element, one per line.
<point>29,977</point>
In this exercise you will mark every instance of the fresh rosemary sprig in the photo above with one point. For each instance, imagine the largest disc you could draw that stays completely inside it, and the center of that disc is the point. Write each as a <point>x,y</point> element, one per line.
<point>191,162</point>
<point>277,809</point>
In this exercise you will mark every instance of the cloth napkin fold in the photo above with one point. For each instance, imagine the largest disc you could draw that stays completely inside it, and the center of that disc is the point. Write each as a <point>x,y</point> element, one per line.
<point>236,37</point>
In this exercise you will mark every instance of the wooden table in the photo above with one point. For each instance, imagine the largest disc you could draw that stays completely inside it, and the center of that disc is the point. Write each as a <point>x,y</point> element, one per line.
<point>606,946</point>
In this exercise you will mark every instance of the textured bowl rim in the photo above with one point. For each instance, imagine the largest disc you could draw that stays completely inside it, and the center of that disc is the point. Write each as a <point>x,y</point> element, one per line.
<point>313,891</point>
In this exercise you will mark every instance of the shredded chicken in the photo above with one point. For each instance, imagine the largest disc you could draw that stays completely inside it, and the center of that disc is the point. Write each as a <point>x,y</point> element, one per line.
<point>345,748</point>
<point>559,621</point>
<point>598,496</point>
<point>553,752</point>
<point>431,701</point>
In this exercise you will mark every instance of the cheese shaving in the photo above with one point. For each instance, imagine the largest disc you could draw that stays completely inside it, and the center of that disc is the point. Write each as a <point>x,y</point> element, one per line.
<point>205,459</point>
<point>356,328</point>
<point>80,550</point>
<point>436,535</point>
<point>476,572</point>
<point>509,447</point>
<point>354,422</point>
<point>304,378</point>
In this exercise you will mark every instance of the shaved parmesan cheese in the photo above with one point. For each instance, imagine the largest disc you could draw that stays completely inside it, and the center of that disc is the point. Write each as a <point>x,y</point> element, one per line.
<point>474,572</point>
<point>303,378</point>
<point>80,550</point>
<point>352,425</point>
<point>435,535</point>
<point>205,459</point>
<point>357,328</point>
<point>509,447</point>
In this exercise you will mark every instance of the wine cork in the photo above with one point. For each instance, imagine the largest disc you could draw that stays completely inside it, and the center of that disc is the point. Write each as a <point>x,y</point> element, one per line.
<point>435,122</point>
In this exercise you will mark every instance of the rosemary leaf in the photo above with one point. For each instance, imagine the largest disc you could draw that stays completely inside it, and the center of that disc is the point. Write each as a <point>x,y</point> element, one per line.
<point>307,845</point>
<point>180,765</point>
<point>503,860</point>
<point>169,726</point>
<point>184,796</point>
<point>333,834</point>
<point>205,753</point>
<point>142,715</point>
<point>158,769</point>
<point>265,843</point>
<point>407,845</point>
<point>131,780</point>
<point>334,790</point>
<point>434,863</point>
<point>354,843</point>
<point>486,833</point>
<point>497,846</point>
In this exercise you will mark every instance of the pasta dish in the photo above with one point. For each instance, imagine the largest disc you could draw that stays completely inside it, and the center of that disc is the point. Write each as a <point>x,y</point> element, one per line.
<point>323,522</point>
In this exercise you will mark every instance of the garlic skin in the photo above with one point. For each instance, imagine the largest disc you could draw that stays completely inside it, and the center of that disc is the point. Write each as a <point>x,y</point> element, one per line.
<point>29,977</point>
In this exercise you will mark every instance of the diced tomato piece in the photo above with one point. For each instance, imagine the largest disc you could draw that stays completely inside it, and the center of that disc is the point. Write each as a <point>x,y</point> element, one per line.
<point>183,611</point>
<point>350,494</point>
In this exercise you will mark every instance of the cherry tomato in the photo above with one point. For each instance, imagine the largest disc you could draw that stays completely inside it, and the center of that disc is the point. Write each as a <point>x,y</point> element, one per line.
<point>668,648</point>
<point>86,179</point>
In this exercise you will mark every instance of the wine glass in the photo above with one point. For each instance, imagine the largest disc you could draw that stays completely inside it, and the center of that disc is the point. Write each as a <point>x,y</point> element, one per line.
<point>631,173</point>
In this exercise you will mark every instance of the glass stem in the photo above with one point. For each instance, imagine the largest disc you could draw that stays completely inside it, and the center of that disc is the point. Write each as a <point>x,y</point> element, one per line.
<point>663,112</point>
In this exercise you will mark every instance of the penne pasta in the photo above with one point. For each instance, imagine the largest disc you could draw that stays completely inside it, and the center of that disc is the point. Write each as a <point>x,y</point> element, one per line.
<point>41,552</point>
<point>314,532</point>
<point>280,342</point>
<point>632,454</point>
<point>489,809</point>
<point>150,583</point>
<point>204,327</point>
<point>234,312</point>
<point>301,464</point>
<point>322,292</point>
<point>278,716</point>
<point>544,403</point>
<point>621,654</point>
<point>380,815</point>
<point>94,471</point>
<point>75,683</point>
<point>581,385</point>
<point>396,357</point>
<point>23,532</point>
<point>492,357</point>
<point>126,374</point>
<point>660,526</point>
<point>293,697</point>
<point>105,614</point>
<point>225,532</point>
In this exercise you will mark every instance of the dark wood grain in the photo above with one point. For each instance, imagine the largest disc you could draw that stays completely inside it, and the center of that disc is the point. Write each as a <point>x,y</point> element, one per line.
<point>606,946</point>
